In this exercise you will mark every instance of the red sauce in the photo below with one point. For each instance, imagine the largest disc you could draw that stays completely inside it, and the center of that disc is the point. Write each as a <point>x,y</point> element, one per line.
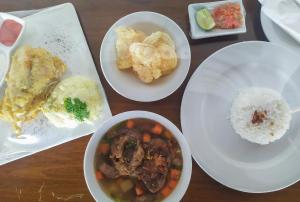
<point>9,32</point>
<point>228,16</point>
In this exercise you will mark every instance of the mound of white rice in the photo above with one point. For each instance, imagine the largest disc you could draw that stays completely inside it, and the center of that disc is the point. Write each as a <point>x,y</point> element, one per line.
<point>273,120</point>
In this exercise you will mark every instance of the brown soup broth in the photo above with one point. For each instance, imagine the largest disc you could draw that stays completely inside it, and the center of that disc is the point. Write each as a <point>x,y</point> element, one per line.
<point>146,147</point>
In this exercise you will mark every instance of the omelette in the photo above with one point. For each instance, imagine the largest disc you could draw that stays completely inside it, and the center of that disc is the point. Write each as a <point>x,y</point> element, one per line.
<point>33,74</point>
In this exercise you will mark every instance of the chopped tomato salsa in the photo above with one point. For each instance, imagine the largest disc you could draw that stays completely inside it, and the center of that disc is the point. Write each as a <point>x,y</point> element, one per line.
<point>9,32</point>
<point>228,16</point>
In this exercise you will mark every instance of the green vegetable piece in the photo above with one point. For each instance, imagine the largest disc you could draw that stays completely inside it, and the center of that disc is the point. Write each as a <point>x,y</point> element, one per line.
<point>131,145</point>
<point>77,107</point>
<point>69,105</point>
<point>205,20</point>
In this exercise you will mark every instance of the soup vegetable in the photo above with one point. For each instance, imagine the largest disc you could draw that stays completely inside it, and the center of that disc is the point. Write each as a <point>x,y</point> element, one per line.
<point>138,160</point>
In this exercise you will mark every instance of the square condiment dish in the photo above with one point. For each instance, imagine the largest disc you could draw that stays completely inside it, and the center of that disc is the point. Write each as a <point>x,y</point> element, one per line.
<point>197,33</point>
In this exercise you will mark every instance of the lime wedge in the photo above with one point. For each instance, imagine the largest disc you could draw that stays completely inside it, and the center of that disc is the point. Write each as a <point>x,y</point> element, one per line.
<point>205,20</point>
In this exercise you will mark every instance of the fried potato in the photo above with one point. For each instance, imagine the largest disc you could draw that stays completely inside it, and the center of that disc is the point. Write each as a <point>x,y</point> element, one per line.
<point>146,61</point>
<point>158,38</point>
<point>125,37</point>
<point>33,74</point>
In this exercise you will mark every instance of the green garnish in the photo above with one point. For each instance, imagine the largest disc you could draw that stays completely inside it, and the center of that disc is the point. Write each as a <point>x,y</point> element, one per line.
<point>130,145</point>
<point>77,107</point>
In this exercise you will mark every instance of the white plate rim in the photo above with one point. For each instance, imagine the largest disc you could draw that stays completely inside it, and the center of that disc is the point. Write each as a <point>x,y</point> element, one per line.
<point>269,35</point>
<point>201,69</point>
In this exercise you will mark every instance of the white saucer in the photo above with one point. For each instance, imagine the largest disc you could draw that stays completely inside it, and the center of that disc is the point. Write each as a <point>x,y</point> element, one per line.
<point>206,103</point>
<point>126,83</point>
<point>275,34</point>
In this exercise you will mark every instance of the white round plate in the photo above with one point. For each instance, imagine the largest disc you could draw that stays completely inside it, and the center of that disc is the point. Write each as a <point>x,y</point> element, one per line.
<point>206,103</point>
<point>275,34</point>
<point>126,83</point>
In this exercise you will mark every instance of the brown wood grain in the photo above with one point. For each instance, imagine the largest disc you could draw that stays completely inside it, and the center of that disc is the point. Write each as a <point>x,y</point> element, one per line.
<point>60,169</point>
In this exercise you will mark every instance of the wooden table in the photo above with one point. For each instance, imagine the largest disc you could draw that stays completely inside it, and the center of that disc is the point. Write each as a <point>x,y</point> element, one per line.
<point>57,173</point>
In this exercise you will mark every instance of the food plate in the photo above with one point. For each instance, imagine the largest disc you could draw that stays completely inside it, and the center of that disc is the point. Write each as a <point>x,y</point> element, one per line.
<point>277,35</point>
<point>206,103</point>
<point>198,33</point>
<point>127,84</point>
<point>58,30</point>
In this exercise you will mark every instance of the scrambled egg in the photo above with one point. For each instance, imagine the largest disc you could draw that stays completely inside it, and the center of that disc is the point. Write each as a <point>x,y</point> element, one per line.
<point>33,74</point>
<point>74,87</point>
<point>150,58</point>
<point>125,37</point>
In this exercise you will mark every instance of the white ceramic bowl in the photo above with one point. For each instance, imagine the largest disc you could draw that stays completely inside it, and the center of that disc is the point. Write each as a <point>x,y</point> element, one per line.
<point>126,83</point>
<point>89,158</point>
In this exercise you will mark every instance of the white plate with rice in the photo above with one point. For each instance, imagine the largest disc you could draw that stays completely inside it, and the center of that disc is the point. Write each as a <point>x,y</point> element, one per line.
<point>206,109</point>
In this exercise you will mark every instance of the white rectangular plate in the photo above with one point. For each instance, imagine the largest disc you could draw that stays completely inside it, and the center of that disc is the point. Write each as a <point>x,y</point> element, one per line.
<point>198,33</point>
<point>58,30</point>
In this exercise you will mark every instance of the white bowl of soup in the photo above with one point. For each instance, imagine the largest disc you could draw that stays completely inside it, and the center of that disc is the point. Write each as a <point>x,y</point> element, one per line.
<point>138,156</point>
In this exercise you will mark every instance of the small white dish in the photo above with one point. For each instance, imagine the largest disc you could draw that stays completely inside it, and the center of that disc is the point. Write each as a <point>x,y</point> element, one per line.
<point>198,33</point>
<point>205,112</point>
<point>277,35</point>
<point>5,51</point>
<point>89,157</point>
<point>126,83</point>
